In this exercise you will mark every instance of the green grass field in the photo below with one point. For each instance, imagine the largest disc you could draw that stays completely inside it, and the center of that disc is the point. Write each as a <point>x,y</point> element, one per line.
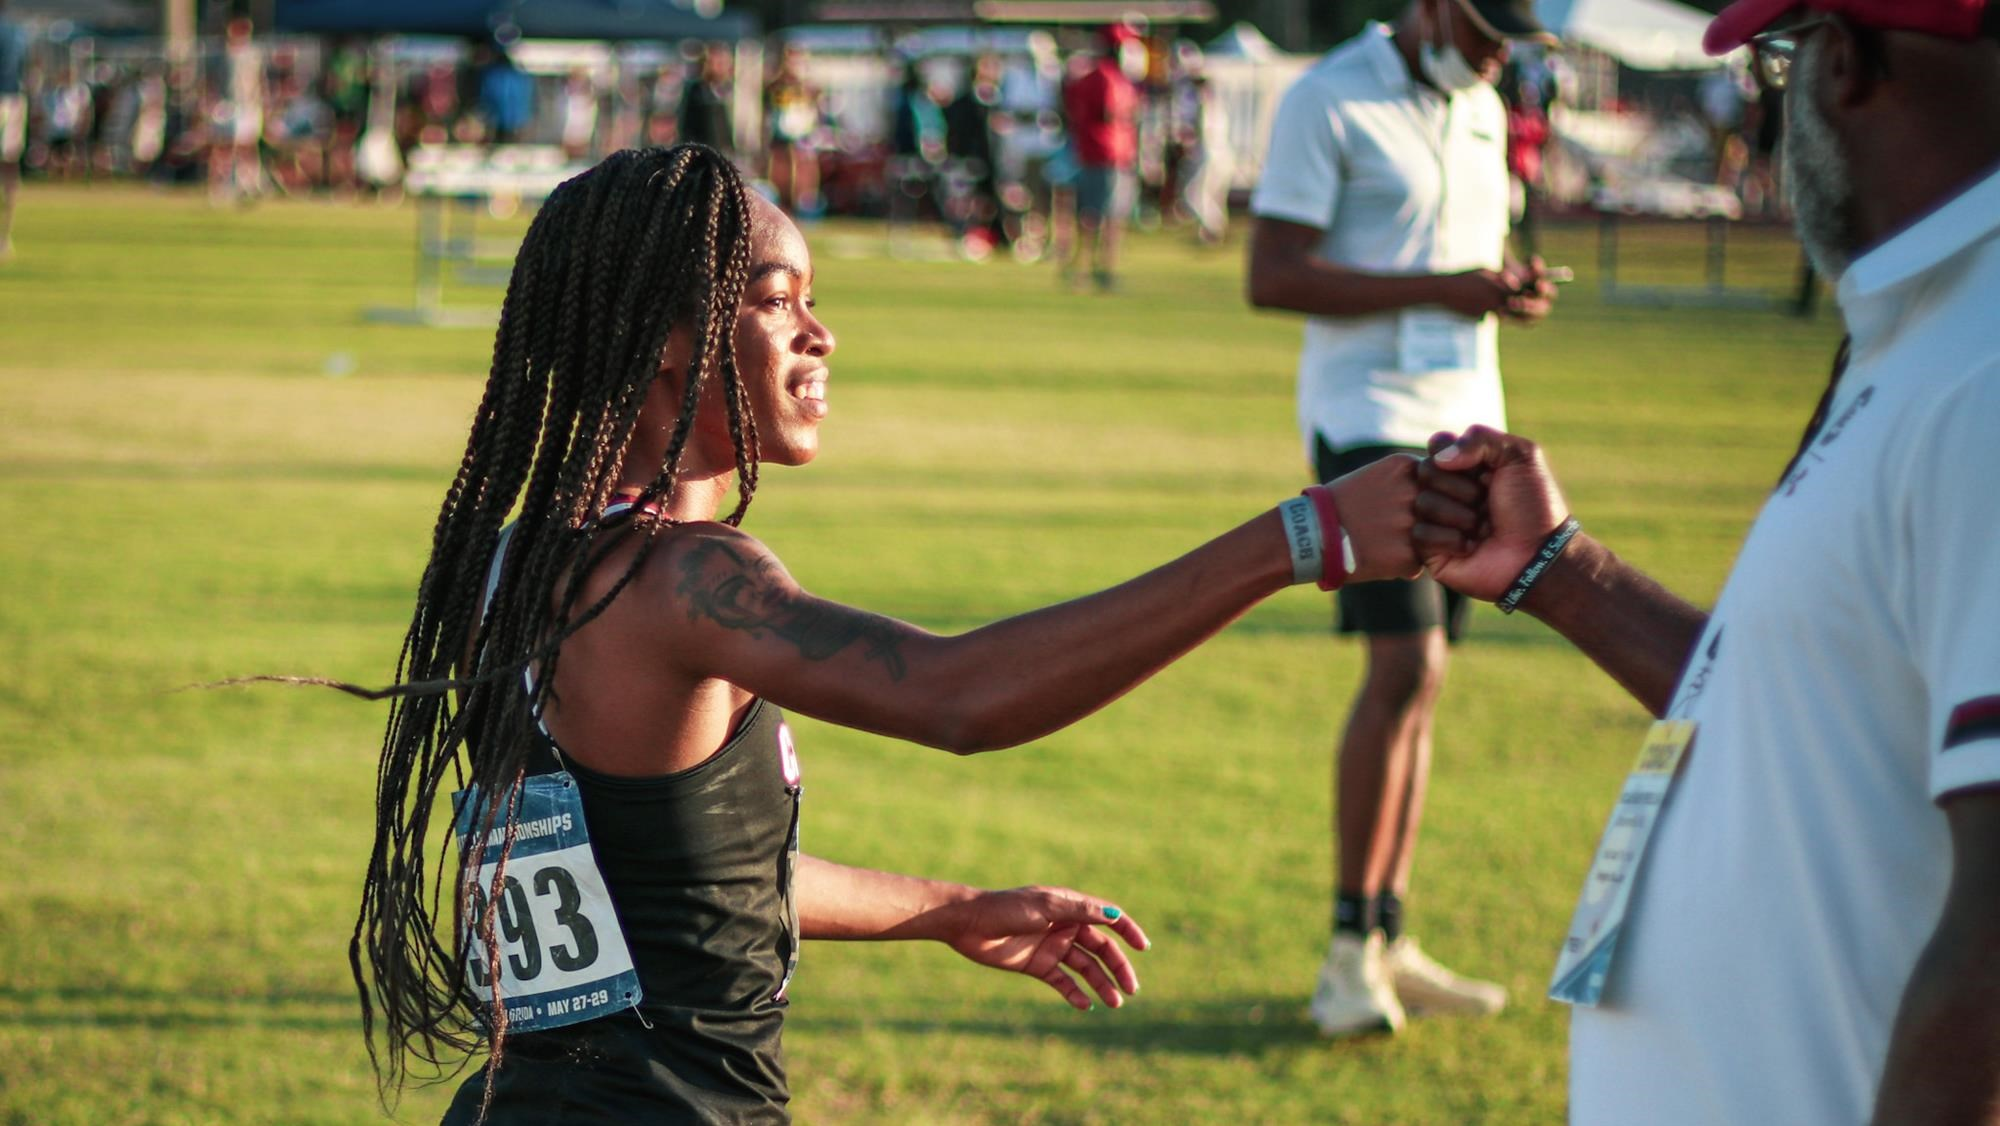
<point>191,488</point>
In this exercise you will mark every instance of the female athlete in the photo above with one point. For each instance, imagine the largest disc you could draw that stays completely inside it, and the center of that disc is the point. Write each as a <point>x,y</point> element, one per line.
<point>599,658</point>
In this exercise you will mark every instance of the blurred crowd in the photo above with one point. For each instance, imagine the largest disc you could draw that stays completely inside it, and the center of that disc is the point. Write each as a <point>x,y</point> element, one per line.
<point>1745,125</point>
<point>303,116</point>
<point>1007,151</point>
<point>978,139</point>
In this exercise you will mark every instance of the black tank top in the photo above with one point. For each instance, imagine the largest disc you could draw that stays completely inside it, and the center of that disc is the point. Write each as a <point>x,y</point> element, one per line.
<point>699,865</point>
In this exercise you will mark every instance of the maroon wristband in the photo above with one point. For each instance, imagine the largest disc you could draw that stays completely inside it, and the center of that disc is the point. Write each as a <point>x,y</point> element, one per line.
<point>1333,565</point>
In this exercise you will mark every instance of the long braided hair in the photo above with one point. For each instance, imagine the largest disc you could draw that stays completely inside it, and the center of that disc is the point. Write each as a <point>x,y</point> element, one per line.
<point>646,243</point>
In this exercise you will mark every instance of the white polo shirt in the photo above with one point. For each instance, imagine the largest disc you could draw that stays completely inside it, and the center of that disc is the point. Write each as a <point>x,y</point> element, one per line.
<point>1402,180</point>
<point>1849,678</point>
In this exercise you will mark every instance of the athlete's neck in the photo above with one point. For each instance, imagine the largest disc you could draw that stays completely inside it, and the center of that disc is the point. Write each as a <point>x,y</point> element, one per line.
<point>706,476</point>
<point>697,495</point>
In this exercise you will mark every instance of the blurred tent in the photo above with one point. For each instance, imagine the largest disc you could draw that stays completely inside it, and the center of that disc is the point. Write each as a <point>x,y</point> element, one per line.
<point>532,19</point>
<point>88,15</point>
<point>1048,13</point>
<point>1644,34</point>
<point>1248,75</point>
<point>1242,41</point>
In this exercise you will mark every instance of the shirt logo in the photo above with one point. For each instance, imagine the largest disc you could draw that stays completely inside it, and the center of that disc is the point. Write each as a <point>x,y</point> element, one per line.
<point>1826,438</point>
<point>788,756</point>
<point>1697,678</point>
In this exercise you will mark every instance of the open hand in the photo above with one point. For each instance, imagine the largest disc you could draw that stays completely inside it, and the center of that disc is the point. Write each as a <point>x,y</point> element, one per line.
<point>1051,934</point>
<point>1521,505</point>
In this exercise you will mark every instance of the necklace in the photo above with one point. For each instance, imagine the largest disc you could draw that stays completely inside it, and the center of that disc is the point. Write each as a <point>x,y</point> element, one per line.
<point>625,503</point>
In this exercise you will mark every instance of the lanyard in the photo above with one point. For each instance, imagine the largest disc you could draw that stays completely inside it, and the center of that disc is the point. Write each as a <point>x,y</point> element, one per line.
<point>1818,421</point>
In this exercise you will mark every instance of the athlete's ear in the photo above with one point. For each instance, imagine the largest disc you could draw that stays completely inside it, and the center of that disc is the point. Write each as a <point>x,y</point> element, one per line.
<point>676,352</point>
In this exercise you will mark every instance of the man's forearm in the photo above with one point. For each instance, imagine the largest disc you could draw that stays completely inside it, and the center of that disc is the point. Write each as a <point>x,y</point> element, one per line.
<point>1634,628</point>
<point>1944,1049</point>
<point>1317,287</point>
<point>1944,1055</point>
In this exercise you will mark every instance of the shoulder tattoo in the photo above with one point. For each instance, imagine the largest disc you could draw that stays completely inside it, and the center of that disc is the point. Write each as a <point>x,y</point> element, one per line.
<point>741,593</point>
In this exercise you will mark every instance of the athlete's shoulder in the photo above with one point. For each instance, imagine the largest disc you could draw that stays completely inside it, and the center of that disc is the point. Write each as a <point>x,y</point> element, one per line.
<point>696,564</point>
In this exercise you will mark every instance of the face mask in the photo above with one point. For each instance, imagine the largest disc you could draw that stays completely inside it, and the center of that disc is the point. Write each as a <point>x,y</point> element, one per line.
<point>1445,66</point>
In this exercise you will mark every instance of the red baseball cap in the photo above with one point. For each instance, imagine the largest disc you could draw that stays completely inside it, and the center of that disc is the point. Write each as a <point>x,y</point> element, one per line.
<point>1951,19</point>
<point>1120,32</point>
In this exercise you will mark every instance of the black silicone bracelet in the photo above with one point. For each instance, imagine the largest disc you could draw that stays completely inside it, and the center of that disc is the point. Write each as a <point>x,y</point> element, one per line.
<point>1551,548</point>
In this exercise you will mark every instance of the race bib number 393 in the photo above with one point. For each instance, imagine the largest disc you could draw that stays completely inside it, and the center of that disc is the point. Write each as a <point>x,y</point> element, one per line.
<point>563,958</point>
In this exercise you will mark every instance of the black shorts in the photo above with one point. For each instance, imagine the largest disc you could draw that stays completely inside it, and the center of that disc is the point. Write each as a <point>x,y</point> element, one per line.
<point>1391,606</point>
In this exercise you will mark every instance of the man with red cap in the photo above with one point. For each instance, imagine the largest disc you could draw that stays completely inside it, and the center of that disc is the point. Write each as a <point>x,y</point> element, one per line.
<point>1794,915</point>
<point>1382,215</point>
<point>1101,111</point>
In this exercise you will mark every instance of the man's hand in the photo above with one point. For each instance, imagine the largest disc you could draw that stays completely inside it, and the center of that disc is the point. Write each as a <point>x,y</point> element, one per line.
<point>1535,293</point>
<point>1521,506</point>
<point>1630,625</point>
<point>1048,934</point>
<point>1382,507</point>
<point>1476,293</point>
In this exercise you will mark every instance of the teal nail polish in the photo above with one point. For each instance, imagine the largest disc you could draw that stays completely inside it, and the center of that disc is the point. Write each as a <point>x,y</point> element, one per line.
<point>1112,913</point>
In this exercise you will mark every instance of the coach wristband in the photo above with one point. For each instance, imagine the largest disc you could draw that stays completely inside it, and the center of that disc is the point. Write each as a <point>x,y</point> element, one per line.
<point>1303,535</point>
<point>1551,548</point>
<point>1340,549</point>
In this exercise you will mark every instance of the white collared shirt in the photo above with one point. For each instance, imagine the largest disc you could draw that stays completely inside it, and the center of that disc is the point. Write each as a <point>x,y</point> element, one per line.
<point>1402,180</point>
<point>1849,679</point>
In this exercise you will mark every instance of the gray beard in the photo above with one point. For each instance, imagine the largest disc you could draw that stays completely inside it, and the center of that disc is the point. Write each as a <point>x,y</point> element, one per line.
<point>1817,176</point>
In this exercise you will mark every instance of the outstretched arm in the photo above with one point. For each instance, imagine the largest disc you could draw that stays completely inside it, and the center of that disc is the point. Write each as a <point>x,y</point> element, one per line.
<point>1634,628</point>
<point>738,616</point>
<point>1047,933</point>
<point>1947,1032</point>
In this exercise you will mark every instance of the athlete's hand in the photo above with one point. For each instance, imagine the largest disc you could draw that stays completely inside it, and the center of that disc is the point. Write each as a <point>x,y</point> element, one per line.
<point>1050,934</point>
<point>1521,506</point>
<point>1383,506</point>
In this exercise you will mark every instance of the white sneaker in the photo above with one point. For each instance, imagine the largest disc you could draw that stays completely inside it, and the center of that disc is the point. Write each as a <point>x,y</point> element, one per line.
<point>1354,994</point>
<point>1428,988</point>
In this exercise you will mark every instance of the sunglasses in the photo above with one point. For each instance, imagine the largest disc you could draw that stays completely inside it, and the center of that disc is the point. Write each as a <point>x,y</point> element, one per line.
<point>1772,52</point>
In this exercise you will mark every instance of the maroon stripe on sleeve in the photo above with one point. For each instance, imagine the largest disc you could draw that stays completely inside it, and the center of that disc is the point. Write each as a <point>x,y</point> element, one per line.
<point>1973,721</point>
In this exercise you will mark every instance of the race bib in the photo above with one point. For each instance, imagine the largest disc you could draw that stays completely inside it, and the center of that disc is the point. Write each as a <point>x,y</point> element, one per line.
<point>1432,339</point>
<point>563,957</point>
<point>1585,960</point>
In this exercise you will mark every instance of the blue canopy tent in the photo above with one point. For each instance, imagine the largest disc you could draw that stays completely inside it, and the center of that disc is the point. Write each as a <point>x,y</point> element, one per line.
<point>532,19</point>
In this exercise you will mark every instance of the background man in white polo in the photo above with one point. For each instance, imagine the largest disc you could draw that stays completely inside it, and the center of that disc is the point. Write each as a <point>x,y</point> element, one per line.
<point>1382,214</point>
<point>1812,934</point>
